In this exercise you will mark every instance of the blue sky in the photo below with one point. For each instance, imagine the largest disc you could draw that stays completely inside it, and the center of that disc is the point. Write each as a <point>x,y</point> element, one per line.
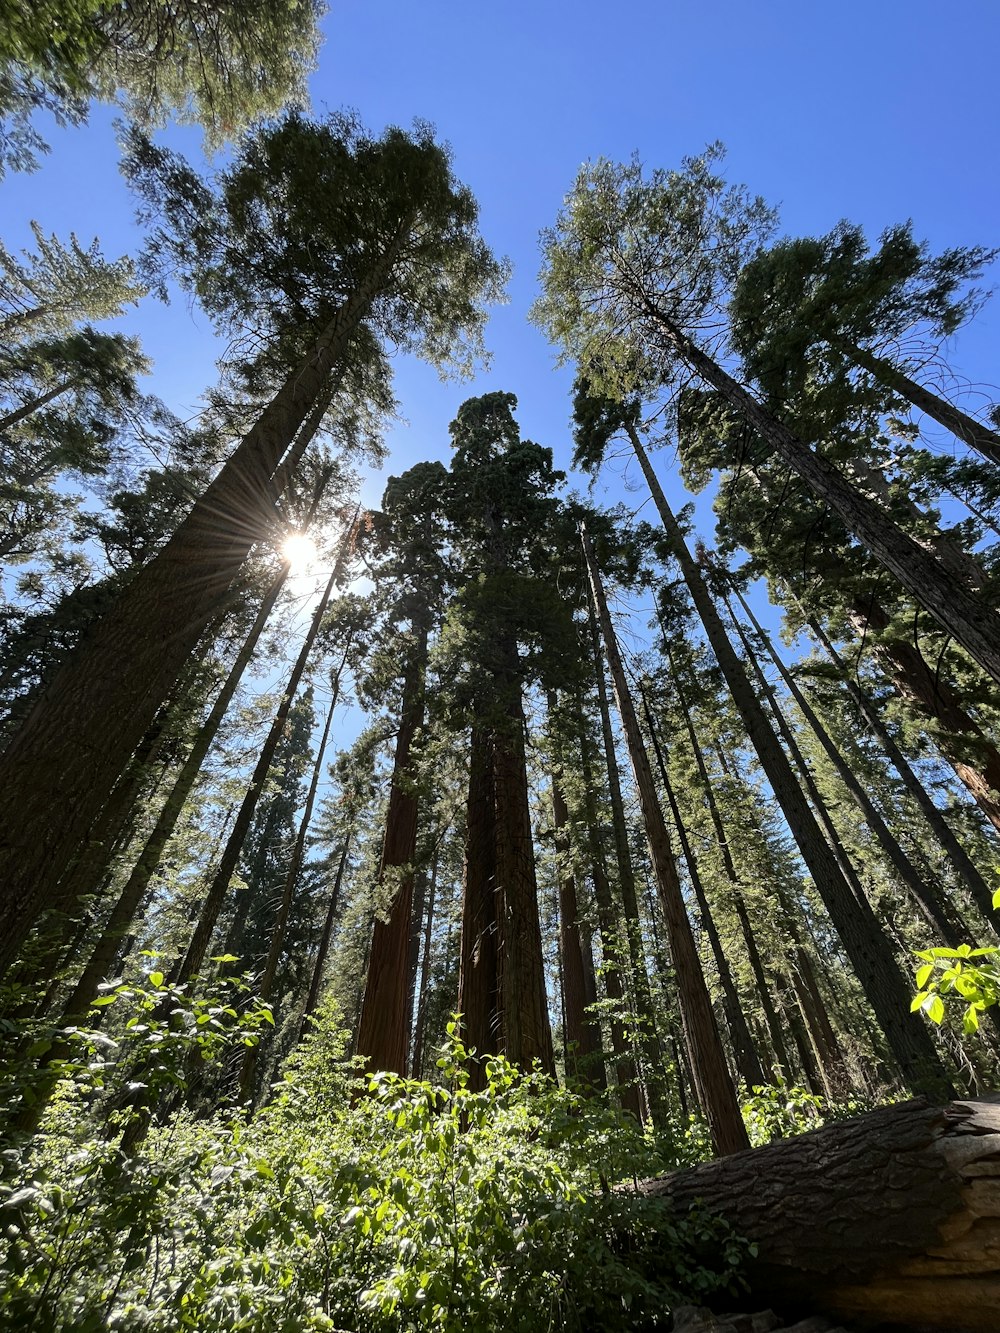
<point>876,112</point>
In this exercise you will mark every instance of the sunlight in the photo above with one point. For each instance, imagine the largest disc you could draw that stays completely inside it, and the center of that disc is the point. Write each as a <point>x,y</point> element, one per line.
<point>299,550</point>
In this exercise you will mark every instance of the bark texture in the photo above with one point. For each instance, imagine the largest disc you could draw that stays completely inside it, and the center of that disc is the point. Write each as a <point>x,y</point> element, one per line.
<point>892,1217</point>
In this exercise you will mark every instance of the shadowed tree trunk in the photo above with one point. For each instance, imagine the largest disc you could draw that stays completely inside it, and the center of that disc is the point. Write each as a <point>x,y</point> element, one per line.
<point>747,1060</point>
<point>384,1029</point>
<point>970,619</point>
<point>584,1059</point>
<point>191,963</point>
<point>891,1218</point>
<point>949,842</point>
<point>720,1104</point>
<point>315,985</point>
<point>75,742</point>
<point>851,914</point>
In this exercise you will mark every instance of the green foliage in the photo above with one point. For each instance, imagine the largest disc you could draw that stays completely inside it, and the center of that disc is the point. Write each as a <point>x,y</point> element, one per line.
<point>373,1204</point>
<point>778,1110</point>
<point>970,976</point>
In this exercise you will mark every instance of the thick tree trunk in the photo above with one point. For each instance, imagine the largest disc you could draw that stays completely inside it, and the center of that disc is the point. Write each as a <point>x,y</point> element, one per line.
<point>851,914</point>
<point>106,950</point>
<point>970,619</point>
<point>420,1020</point>
<point>384,1030</point>
<point>478,1000</point>
<point>71,748</point>
<point>891,1218</point>
<point>708,1058</point>
<point>521,983</point>
<point>966,428</point>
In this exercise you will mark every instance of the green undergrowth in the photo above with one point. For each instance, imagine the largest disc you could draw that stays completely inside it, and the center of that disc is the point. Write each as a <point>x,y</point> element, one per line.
<point>355,1204</point>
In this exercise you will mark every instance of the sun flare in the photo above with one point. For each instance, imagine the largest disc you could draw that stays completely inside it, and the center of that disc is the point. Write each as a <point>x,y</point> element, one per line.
<point>299,550</point>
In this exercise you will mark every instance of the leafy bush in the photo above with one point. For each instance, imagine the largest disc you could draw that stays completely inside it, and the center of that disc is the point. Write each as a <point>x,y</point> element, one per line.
<point>376,1204</point>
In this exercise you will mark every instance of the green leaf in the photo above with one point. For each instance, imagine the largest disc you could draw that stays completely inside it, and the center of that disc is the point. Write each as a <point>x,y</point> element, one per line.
<point>156,978</point>
<point>918,1003</point>
<point>996,898</point>
<point>923,974</point>
<point>935,1010</point>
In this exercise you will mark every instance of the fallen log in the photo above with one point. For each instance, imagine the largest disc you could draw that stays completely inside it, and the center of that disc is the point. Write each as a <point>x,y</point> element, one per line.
<point>889,1218</point>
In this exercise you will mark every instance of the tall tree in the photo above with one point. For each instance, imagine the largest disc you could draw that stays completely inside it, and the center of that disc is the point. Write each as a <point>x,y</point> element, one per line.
<point>636,269</point>
<point>410,531</point>
<point>416,268</point>
<point>718,1094</point>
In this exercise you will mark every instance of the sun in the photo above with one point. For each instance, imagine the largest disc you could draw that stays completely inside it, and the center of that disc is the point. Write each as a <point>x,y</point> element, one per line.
<point>299,550</point>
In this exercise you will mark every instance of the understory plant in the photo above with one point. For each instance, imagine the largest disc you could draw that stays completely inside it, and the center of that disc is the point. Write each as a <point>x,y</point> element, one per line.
<point>355,1202</point>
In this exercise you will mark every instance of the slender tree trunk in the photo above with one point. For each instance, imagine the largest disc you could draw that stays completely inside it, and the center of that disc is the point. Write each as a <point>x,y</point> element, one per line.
<point>420,1025</point>
<point>42,400</point>
<point>614,950</point>
<point>521,982</point>
<point>735,883</point>
<point>947,840</point>
<point>265,986</point>
<point>649,1046</point>
<point>312,999</point>
<point>70,749</point>
<point>966,428</point>
<point>384,1031</point>
<point>585,1061</point>
<point>970,619</point>
<point>747,1060</point>
<point>852,916</point>
<point>212,904</point>
<point>721,1105</point>
<point>972,754</point>
<point>925,897</point>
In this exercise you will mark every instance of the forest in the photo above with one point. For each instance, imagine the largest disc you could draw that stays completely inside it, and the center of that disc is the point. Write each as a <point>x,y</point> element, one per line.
<point>524,901</point>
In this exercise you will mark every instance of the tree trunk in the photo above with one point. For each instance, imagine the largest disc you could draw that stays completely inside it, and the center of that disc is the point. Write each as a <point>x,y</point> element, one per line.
<point>976,761</point>
<point>747,1060</point>
<point>70,749</point>
<point>265,986</point>
<point>948,841</point>
<point>42,400</point>
<point>478,999</point>
<point>614,951</point>
<point>721,1106</point>
<point>383,1030</point>
<point>521,982</point>
<point>312,999</point>
<point>649,1045</point>
<point>212,903</point>
<point>420,1022</point>
<point>890,1218</point>
<point>106,950</point>
<point>584,1057</point>
<point>966,428</point>
<point>736,886</point>
<point>970,619</point>
<point>852,916</point>
<point>926,897</point>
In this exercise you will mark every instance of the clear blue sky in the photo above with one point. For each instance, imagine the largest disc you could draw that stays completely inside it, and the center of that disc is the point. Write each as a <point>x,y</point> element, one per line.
<point>875,111</point>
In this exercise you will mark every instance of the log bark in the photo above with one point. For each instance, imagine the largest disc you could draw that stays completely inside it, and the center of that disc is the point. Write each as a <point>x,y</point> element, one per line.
<point>891,1218</point>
